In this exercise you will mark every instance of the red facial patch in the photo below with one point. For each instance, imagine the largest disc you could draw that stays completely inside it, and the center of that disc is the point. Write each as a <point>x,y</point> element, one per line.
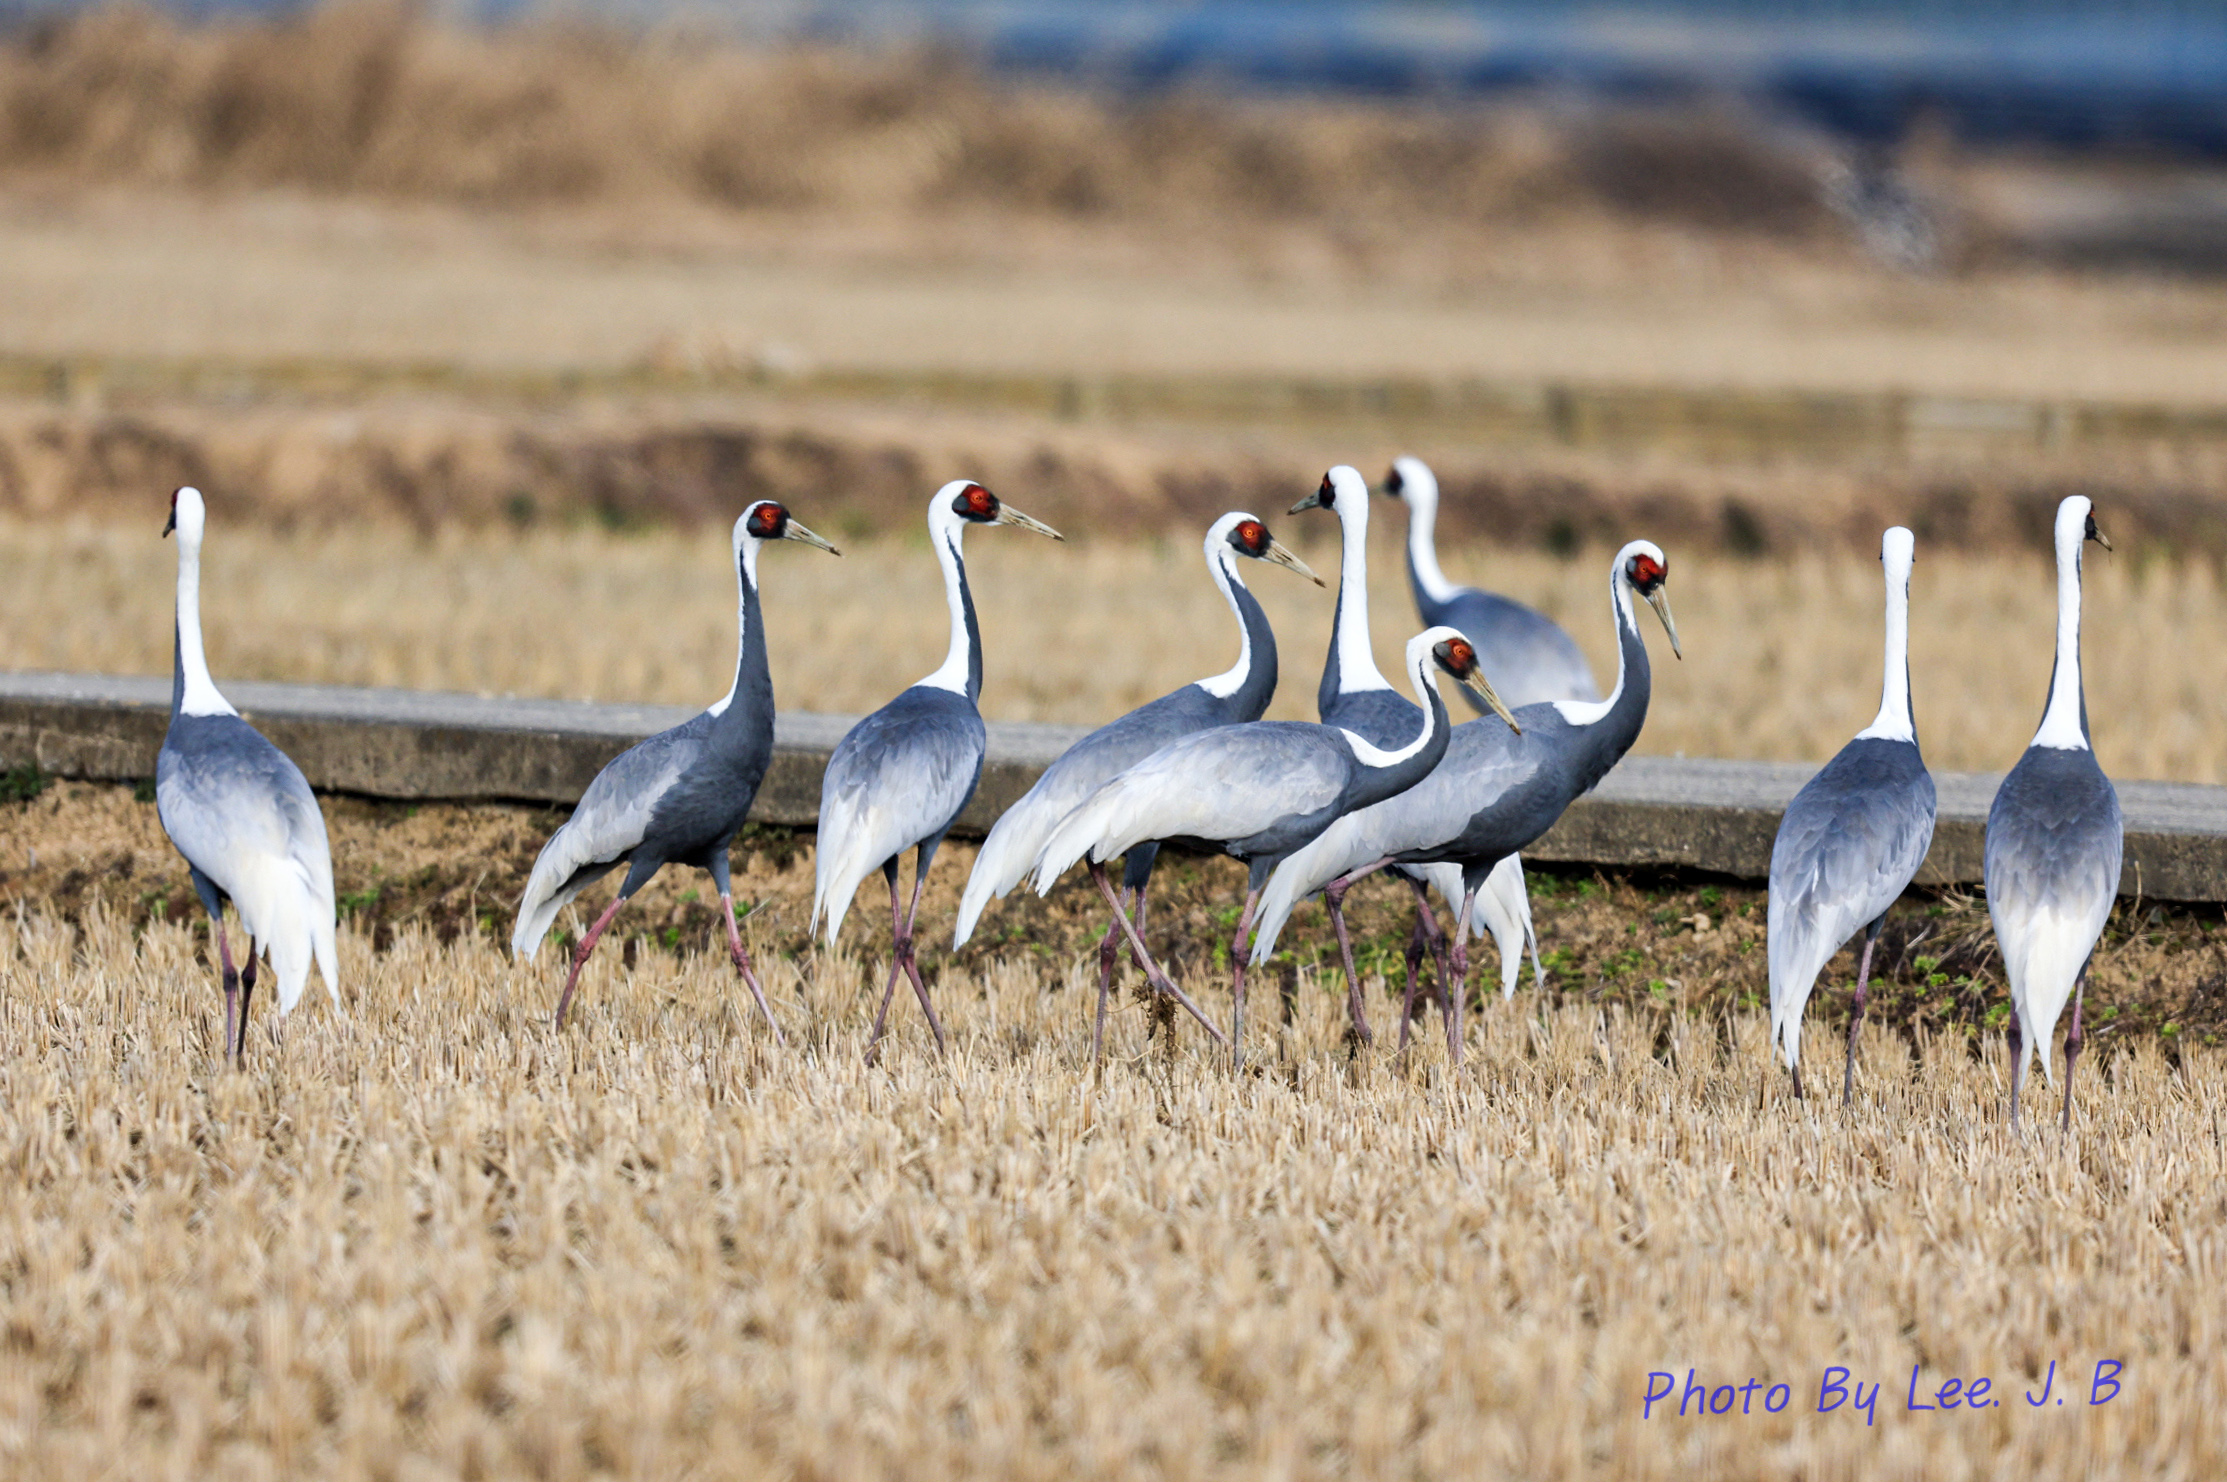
<point>1646,572</point>
<point>766,521</point>
<point>976,502</point>
<point>1252,536</point>
<point>1326,495</point>
<point>1458,657</point>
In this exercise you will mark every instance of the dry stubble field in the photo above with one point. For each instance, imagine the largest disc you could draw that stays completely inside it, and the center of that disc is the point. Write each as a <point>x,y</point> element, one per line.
<point>1782,656</point>
<point>434,1239</point>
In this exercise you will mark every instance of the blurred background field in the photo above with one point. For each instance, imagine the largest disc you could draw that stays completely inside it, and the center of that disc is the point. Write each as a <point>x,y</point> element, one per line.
<point>480,323</point>
<point>477,335</point>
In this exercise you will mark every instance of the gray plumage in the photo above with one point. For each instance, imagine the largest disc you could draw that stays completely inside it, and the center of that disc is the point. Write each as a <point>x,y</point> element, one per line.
<point>1496,790</point>
<point>1256,792</point>
<point>1239,695</point>
<point>1353,693</point>
<point>902,776</point>
<point>2055,839</point>
<point>241,814</point>
<point>1529,657</point>
<point>1852,839</point>
<point>898,780</point>
<point>678,797</point>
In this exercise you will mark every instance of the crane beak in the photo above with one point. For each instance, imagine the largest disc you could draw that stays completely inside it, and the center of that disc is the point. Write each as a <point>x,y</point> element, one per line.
<point>2103,540</point>
<point>1659,599</point>
<point>1476,683</point>
<point>1312,501</point>
<point>171,523</point>
<point>1008,515</point>
<point>794,531</point>
<point>1281,554</point>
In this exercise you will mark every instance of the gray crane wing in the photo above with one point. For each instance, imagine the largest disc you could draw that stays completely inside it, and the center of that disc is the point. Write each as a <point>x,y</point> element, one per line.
<point>224,793</point>
<point>1530,658</point>
<point>606,827</point>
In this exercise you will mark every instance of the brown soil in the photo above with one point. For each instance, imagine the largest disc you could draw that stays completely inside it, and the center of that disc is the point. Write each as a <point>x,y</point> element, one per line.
<point>1683,947</point>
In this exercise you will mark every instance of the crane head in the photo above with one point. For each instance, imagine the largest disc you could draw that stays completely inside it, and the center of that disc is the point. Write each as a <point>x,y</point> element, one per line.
<point>770,520</point>
<point>1249,537</point>
<point>1647,570</point>
<point>977,505</point>
<point>1457,656</point>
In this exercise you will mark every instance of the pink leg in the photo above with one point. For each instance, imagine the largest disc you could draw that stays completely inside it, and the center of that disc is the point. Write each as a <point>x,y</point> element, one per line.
<point>912,965</point>
<point>2017,1063</point>
<point>231,993</point>
<point>1457,988</point>
<point>580,956</point>
<point>742,964</point>
<point>2073,1039</point>
<point>1240,957</point>
<point>1856,1014</point>
<point>1333,897</point>
<point>247,995</point>
<point>1152,970</point>
<point>1109,951</point>
<point>896,966</point>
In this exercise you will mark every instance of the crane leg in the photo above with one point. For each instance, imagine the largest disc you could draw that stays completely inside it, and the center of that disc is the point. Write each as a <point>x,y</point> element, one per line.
<point>580,956</point>
<point>741,956</point>
<point>231,979</point>
<point>1427,920</point>
<point>247,996</point>
<point>1333,896</point>
<point>912,961</point>
<point>2074,1039</point>
<point>1856,1014</point>
<point>1456,989</point>
<point>1109,952</point>
<point>1418,946</point>
<point>1240,957</point>
<point>2017,1063</point>
<point>1798,1083</point>
<point>1152,971</point>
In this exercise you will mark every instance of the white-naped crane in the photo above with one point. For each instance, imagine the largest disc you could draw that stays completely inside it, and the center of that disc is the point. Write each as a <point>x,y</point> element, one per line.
<point>902,776</point>
<point>1233,697</point>
<point>2054,843</point>
<point>1530,657</point>
<point>1851,840</point>
<point>243,816</point>
<point>1355,694</point>
<point>1497,789</point>
<point>1258,792</point>
<point>678,797</point>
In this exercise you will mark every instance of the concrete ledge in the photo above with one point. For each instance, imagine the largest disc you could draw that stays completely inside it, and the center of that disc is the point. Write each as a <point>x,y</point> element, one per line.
<point>1662,811</point>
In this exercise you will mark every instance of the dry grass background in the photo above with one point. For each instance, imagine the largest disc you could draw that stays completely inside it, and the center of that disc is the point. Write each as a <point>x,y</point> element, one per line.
<point>1782,657</point>
<point>436,1240</point>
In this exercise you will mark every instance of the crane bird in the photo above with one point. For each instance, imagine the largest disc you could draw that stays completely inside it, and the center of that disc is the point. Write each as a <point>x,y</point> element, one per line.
<point>1496,791</point>
<point>1851,840</point>
<point>1354,694</point>
<point>2054,840</point>
<point>902,776</point>
<point>678,797</point>
<point>1238,695</point>
<point>1528,654</point>
<point>1257,792</point>
<point>243,816</point>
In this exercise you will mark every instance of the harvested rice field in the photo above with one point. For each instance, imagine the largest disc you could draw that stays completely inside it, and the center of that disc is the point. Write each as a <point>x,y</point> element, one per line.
<point>427,1237</point>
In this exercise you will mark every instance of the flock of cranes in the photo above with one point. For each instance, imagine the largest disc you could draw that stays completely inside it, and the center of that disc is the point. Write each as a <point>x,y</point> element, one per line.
<point>1384,782</point>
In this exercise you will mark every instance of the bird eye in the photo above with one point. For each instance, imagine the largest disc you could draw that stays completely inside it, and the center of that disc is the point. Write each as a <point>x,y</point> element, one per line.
<point>1457,657</point>
<point>2090,532</point>
<point>1646,572</point>
<point>767,519</point>
<point>975,503</point>
<point>1252,537</point>
<point>1326,494</point>
<point>1393,483</point>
